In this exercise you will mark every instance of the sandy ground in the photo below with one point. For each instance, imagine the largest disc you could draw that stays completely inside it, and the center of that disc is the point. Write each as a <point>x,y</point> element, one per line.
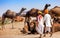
<point>55,35</point>
<point>8,32</point>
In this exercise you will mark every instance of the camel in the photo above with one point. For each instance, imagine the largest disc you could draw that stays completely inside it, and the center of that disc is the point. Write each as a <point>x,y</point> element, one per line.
<point>55,13</point>
<point>10,14</point>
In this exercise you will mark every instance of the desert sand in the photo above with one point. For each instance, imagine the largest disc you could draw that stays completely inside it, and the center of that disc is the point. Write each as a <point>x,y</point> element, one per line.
<point>8,32</point>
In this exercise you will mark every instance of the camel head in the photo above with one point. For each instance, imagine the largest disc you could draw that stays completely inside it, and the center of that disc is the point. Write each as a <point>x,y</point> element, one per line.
<point>46,6</point>
<point>22,10</point>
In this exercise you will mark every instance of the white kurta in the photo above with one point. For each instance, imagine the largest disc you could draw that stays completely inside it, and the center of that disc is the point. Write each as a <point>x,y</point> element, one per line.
<point>40,26</point>
<point>47,20</point>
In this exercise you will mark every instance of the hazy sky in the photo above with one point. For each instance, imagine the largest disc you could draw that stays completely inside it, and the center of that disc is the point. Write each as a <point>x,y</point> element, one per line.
<point>16,5</point>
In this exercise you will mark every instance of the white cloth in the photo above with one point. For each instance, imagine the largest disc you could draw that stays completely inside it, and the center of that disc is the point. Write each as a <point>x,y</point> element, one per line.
<point>40,21</point>
<point>32,18</point>
<point>52,21</point>
<point>47,20</point>
<point>48,29</point>
<point>40,27</point>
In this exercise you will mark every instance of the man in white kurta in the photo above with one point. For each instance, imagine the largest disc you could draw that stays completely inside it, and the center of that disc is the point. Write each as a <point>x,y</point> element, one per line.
<point>40,26</point>
<point>47,21</point>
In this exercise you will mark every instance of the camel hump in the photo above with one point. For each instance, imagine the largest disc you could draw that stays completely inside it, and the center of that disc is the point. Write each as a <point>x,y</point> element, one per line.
<point>56,10</point>
<point>9,12</point>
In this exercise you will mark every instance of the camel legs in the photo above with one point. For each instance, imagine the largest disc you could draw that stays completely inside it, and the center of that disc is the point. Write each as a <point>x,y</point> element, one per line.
<point>3,19</point>
<point>25,29</point>
<point>12,24</point>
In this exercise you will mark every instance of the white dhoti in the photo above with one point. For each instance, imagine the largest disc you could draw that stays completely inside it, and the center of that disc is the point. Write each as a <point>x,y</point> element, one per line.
<point>48,29</point>
<point>40,29</point>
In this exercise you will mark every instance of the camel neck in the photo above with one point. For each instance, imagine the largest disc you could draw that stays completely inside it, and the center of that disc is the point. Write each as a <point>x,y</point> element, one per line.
<point>20,12</point>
